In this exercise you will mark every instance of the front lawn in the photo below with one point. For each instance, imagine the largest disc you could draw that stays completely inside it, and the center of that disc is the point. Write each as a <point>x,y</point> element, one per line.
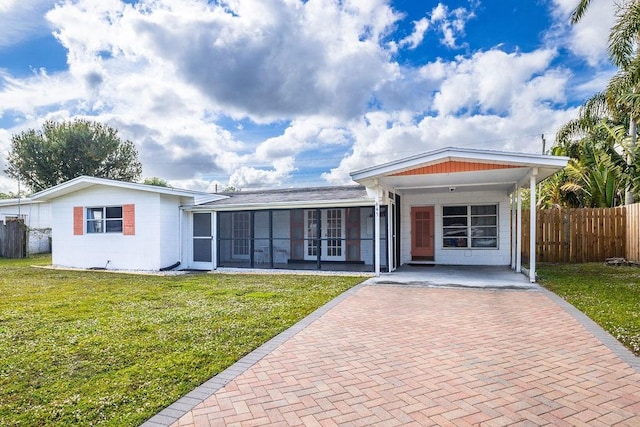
<point>85,348</point>
<point>609,295</point>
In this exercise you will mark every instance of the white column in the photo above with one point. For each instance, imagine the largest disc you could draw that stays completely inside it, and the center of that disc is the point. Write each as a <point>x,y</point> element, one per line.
<point>532,233</point>
<point>513,229</point>
<point>390,241</point>
<point>214,241</point>
<point>377,232</point>
<point>518,230</point>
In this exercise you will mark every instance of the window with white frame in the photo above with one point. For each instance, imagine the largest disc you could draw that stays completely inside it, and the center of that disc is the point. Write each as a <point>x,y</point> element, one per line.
<point>470,226</point>
<point>105,219</point>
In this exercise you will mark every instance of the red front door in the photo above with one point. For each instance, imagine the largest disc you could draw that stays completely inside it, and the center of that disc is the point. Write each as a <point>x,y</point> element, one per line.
<point>422,233</point>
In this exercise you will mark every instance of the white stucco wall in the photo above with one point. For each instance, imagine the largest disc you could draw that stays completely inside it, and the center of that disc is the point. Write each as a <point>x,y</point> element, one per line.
<point>169,230</point>
<point>141,251</point>
<point>455,256</point>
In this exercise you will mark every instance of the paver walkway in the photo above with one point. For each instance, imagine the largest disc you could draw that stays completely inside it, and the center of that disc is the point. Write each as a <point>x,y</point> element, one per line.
<point>393,355</point>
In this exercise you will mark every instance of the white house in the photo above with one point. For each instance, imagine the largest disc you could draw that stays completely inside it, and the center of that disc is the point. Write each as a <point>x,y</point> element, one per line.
<point>119,225</point>
<point>449,206</point>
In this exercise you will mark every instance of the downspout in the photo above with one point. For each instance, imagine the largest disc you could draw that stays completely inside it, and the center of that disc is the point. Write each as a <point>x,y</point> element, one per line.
<point>532,232</point>
<point>377,230</point>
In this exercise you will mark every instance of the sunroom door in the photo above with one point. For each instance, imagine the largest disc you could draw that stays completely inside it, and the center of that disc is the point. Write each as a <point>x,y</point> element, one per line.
<point>202,241</point>
<point>332,232</point>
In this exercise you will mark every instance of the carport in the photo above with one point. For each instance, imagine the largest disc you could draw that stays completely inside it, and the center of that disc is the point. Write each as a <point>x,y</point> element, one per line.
<point>458,206</point>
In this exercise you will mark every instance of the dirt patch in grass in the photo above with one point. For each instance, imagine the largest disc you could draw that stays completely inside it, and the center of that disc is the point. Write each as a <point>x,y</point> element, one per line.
<point>98,348</point>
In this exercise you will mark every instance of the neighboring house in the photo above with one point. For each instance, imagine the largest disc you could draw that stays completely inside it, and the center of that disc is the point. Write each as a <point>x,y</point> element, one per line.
<point>448,206</point>
<point>37,218</point>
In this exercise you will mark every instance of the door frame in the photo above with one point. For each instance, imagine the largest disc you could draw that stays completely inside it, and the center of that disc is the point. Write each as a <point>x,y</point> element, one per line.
<point>203,265</point>
<point>414,255</point>
<point>314,230</point>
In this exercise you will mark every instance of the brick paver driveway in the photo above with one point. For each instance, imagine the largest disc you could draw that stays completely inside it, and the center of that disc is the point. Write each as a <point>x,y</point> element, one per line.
<point>392,355</point>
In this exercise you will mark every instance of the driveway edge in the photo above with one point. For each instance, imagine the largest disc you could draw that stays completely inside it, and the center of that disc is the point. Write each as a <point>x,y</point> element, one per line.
<point>186,403</point>
<point>601,334</point>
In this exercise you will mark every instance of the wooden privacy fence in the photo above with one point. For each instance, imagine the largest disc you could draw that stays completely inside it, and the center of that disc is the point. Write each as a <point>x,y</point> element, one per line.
<point>633,232</point>
<point>581,235</point>
<point>13,238</point>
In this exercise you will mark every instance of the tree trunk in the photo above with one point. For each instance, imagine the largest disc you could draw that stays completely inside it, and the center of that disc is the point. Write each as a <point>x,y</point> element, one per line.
<point>628,195</point>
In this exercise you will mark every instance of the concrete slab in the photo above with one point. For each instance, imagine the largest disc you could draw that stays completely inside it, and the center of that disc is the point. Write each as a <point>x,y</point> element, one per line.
<point>462,276</point>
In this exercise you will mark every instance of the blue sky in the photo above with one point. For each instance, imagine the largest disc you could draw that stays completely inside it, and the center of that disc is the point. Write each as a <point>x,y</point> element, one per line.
<point>282,93</point>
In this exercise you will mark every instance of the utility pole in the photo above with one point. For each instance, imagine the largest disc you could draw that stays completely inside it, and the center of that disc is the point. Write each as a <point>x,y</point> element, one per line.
<point>544,144</point>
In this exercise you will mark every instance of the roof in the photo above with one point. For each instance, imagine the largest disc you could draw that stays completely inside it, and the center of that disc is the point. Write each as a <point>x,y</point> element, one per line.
<point>292,197</point>
<point>83,182</point>
<point>464,168</point>
<point>16,202</point>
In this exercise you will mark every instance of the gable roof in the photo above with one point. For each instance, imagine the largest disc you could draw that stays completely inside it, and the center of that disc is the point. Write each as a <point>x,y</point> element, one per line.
<point>83,182</point>
<point>462,167</point>
<point>292,198</point>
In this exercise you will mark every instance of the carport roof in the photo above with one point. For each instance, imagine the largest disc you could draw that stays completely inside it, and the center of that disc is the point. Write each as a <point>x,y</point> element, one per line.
<point>461,168</point>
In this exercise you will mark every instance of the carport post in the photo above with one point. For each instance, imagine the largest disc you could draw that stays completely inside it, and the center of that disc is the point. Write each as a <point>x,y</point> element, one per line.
<point>519,230</point>
<point>377,232</point>
<point>532,232</point>
<point>513,229</point>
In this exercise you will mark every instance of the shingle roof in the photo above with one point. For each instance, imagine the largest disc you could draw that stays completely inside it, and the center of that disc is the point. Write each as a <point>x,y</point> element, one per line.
<point>293,195</point>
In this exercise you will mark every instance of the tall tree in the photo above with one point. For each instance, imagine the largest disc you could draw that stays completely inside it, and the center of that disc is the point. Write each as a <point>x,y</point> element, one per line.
<point>62,151</point>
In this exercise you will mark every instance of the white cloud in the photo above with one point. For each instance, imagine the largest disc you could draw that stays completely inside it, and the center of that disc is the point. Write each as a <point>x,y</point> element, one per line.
<point>22,20</point>
<point>414,39</point>
<point>180,77</point>
<point>589,38</point>
<point>451,24</point>
<point>508,101</point>
<point>488,81</point>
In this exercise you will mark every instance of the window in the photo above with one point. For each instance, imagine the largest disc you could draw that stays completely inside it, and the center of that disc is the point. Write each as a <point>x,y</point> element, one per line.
<point>470,226</point>
<point>104,219</point>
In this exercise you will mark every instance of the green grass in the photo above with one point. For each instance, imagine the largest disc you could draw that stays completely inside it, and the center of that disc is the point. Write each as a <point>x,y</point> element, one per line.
<point>86,348</point>
<point>609,295</point>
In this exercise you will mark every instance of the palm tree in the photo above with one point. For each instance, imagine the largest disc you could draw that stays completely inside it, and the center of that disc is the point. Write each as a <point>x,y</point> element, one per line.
<point>596,142</point>
<point>622,92</point>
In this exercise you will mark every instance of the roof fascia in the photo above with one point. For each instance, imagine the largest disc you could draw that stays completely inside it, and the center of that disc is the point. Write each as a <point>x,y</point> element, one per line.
<point>83,182</point>
<point>460,154</point>
<point>286,205</point>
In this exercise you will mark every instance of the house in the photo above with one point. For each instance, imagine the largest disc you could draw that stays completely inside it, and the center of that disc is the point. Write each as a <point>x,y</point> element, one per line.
<point>36,216</point>
<point>455,206</point>
<point>102,223</point>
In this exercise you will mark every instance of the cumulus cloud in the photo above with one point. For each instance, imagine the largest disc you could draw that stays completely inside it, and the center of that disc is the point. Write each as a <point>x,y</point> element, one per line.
<point>473,84</point>
<point>182,78</point>
<point>589,38</point>
<point>508,110</point>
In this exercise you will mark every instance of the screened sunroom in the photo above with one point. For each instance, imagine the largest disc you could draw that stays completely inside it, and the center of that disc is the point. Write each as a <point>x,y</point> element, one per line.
<point>329,228</point>
<point>341,238</point>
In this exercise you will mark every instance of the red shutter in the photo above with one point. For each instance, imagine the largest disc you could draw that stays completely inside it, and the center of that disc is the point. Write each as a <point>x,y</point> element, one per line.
<point>78,220</point>
<point>129,220</point>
